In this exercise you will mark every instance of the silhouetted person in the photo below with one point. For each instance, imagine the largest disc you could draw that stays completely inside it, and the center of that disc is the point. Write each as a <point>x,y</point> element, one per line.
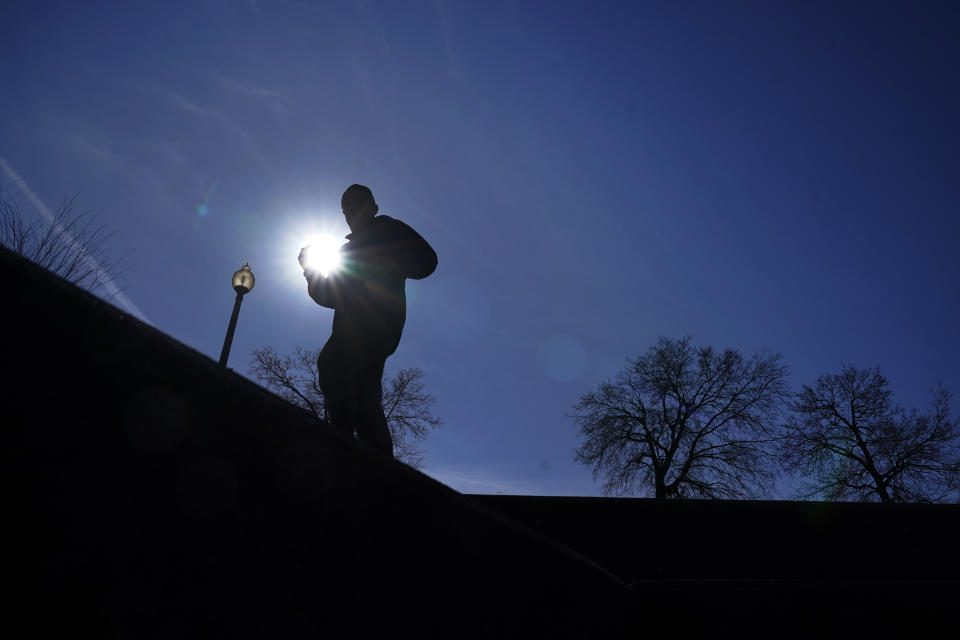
<point>367,293</point>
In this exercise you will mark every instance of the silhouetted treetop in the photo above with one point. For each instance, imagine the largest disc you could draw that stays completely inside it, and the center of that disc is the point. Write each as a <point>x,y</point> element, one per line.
<point>684,421</point>
<point>406,404</point>
<point>854,443</point>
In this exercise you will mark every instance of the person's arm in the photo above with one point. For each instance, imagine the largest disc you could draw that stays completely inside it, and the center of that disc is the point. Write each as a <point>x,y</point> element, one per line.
<point>319,286</point>
<point>414,255</point>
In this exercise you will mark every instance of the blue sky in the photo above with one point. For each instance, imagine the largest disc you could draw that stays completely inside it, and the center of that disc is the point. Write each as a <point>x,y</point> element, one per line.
<point>592,175</point>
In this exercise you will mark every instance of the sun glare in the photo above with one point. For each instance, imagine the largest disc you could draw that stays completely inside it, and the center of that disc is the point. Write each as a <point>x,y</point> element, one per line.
<point>323,253</point>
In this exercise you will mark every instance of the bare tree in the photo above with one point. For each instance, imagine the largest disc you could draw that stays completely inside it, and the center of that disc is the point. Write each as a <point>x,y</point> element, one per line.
<point>684,421</point>
<point>407,409</point>
<point>71,245</point>
<point>293,378</point>
<point>406,405</point>
<point>853,443</point>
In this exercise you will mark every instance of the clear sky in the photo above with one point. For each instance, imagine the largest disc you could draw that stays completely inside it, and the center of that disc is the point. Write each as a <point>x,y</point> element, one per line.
<point>591,174</point>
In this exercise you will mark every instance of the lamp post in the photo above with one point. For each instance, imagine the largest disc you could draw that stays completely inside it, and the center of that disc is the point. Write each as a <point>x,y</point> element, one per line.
<point>243,281</point>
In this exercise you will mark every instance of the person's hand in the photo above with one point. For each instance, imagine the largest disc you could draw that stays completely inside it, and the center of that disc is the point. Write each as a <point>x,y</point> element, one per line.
<point>304,252</point>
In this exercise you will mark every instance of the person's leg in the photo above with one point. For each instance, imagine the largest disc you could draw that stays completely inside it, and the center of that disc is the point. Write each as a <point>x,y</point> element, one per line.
<point>371,423</point>
<point>338,381</point>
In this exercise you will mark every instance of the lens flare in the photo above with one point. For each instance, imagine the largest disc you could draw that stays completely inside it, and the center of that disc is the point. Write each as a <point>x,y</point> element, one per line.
<point>322,253</point>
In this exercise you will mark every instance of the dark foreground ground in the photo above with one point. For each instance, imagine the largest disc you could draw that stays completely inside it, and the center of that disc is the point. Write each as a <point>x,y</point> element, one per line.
<point>149,493</point>
<point>765,566</point>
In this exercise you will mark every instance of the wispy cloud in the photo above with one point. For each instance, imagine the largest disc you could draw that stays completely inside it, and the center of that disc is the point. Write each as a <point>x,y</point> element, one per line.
<point>223,121</point>
<point>278,103</point>
<point>182,102</point>
<point>167,150</point>
<point>453,60</point>
<point>96,150</point>
<point>478,479</point>
<point>255,7</point>
<point>103,279</point>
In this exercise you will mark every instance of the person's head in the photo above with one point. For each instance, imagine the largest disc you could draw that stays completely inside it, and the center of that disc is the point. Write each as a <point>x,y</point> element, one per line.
<point>359,207</point>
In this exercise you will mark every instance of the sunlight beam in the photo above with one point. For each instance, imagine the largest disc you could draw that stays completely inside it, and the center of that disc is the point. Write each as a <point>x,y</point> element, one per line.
<point>322,253</point>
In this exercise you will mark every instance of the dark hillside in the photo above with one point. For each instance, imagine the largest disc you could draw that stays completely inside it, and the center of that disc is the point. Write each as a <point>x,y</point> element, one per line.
<point>150,493</point>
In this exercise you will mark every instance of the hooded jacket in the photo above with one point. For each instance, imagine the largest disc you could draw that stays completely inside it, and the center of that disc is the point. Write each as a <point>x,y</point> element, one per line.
<point>368,291</point>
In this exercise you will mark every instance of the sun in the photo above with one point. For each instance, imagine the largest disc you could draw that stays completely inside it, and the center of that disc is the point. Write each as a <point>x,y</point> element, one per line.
<point>323,253</point>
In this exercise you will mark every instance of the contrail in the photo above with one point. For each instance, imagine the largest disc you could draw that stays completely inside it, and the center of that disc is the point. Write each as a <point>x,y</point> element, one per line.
<point>103,279</point>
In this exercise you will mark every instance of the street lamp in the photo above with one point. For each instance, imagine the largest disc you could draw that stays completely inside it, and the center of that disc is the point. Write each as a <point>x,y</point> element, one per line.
<point>243,281</point>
